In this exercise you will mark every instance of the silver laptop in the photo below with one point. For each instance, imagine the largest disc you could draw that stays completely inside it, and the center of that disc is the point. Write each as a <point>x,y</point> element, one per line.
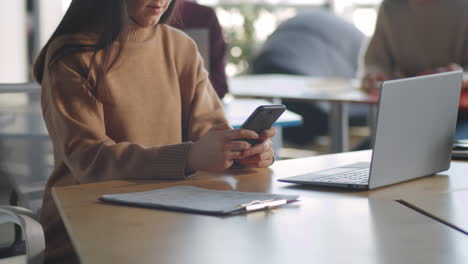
<point>414,135</point>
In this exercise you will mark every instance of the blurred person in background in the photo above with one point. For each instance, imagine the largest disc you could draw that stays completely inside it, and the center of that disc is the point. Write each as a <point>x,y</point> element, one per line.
<point>314,43</point>
<point>417,37</point>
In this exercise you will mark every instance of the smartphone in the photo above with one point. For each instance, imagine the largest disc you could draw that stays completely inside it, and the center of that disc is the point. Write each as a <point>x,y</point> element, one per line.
<point>262,118</point>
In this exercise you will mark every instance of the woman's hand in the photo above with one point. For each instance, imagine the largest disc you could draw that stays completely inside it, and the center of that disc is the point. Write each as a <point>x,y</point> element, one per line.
<point>260,155</point>
<point>371,82</point>
<point>217,149</point>
<point>448,68</point>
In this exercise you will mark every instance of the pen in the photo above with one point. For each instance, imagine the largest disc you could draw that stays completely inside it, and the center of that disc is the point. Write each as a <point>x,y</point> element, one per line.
<point>263,204</point>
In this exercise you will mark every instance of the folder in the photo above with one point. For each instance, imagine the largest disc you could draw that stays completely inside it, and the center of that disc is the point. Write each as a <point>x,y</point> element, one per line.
<point>197,200</point>
<point>460,150</point>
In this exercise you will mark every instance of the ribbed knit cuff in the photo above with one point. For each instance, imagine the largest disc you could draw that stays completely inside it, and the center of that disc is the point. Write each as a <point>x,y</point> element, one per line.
<point>170,161</point>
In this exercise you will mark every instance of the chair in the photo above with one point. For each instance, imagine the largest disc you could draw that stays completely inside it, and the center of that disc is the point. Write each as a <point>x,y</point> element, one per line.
<point>201,24</point>
<point>25,148</point>
<point>201,36</point>
<point>32,234</point>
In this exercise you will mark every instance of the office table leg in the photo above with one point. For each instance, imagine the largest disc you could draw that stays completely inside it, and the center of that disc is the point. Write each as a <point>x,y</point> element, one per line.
<point>277,142</point>
<point>338,125</point>
<point>278,139</point>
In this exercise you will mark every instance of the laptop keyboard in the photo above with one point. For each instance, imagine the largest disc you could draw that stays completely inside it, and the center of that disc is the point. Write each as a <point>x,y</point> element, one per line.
<point>359,176</point>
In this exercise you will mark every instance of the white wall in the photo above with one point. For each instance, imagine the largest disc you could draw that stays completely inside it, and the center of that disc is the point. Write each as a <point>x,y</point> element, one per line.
<point>13,44</point>
<point>49,13</point>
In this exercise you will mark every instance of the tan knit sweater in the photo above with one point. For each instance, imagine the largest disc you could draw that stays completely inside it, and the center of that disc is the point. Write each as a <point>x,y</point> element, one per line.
<point>148,108</point>
<point>411,38</point>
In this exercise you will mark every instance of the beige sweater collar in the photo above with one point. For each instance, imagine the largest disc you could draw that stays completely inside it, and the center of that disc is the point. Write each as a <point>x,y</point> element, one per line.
<point>138,33</point>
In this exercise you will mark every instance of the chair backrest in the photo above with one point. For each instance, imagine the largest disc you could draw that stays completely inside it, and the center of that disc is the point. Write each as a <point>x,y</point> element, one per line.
<point>201,36</point>
<point>32,232</point>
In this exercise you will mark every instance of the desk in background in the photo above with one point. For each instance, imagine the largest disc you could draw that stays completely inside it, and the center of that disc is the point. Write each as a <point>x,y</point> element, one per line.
<point>327,226</point>
<point>338,92</point>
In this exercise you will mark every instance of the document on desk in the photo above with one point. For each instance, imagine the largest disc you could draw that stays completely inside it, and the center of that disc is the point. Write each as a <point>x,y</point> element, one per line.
<point>197,200</point>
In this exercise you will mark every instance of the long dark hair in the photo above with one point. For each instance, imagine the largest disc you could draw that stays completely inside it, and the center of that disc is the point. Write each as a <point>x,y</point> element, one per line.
<point>107,19</point>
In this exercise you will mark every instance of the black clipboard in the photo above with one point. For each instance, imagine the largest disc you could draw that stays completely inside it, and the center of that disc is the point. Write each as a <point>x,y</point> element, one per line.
<point>202,201</point>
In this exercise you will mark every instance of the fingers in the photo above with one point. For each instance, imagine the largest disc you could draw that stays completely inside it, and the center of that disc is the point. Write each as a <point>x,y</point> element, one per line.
<point>260,156</point>
<point>257,164</point>
<point>243,150</point>
<point>236,146</point>
<point>259,148</point>
<point>256,156</point>
<point>235,150</point>
<point>367,84</point>
<point>235,155</point>
<point>248,134</point>
<point>454,67</point>
<point>240,134</point>
<point>220,127</point>
<point>373,81</point>
<point>262,160</point>
<point>465,84</point>
<point>268,133</point>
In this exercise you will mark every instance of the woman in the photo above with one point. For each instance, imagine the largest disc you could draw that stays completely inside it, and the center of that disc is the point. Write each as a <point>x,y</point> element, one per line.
<point>418,37</point>
<point>414,37</point>
<point>126,97</point>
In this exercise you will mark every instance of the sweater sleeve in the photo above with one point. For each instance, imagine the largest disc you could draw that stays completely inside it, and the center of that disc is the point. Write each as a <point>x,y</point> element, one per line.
<point>75,120</point>
<point>378,57</point>
<point>202,107</point>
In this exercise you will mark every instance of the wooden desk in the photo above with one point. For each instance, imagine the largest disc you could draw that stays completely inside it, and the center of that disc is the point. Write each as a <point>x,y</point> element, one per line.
<point>338,92</point>
<point>328,226</point>
<point>450,208</point>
